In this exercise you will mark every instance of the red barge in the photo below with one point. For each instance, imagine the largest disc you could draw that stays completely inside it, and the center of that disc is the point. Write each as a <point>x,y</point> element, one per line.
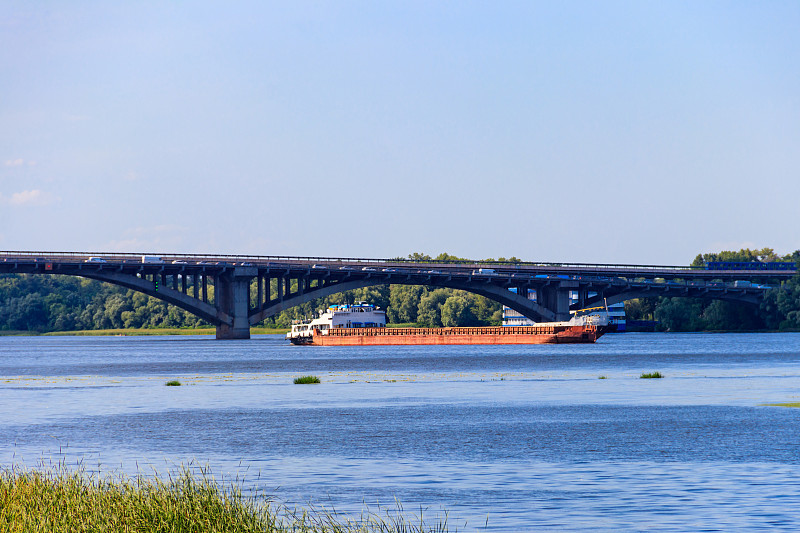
<point>364,325</point>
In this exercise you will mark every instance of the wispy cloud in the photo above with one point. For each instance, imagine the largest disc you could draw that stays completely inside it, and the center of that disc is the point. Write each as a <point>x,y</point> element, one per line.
<point>35,197</point>
<point>18,162</point>
<point>160,238</point>
<point>131,176</point>
<point>733,246</point>
<point>76,118</point>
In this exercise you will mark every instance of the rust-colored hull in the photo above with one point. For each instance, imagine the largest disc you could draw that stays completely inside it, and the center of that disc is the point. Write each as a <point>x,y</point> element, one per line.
<point>454,336</point>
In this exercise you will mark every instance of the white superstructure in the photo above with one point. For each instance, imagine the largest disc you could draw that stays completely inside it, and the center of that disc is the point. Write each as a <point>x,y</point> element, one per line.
<point>360,315</point>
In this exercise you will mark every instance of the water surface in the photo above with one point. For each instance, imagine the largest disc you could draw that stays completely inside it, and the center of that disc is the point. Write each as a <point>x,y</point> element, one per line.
<point>528,436</point>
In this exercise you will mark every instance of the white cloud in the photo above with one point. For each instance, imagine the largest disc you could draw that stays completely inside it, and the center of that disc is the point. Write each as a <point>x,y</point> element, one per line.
<point>34,197</point>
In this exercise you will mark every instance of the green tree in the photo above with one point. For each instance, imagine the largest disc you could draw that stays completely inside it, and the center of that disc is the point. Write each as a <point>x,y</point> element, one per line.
<point>429,312</point>
<point>680,314</point>
<point>640,308</point>
<point>404,303</point>
<point>457,311</point>
<point>781,306</point>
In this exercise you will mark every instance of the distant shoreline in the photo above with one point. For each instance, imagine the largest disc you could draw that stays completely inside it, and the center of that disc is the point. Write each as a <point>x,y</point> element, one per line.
<point>138,332</point>
<point>135,332</point>
<point>143,332</point>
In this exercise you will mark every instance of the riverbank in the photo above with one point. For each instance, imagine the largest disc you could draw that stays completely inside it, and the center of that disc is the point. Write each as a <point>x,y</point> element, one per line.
<point>57,500</point>
<point>132,332</point>
<point>138,332</point>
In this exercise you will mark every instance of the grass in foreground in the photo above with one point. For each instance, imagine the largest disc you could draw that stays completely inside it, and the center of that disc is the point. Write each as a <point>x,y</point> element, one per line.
<point>60,501</point>
<point>306,380</point>
<point>651,375</point>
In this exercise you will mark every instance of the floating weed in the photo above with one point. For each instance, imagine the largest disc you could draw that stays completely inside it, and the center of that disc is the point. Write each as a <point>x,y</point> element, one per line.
<point>602,377</point>
<point>173,383</point>
<point>306,380</point>
<point>651,375</point>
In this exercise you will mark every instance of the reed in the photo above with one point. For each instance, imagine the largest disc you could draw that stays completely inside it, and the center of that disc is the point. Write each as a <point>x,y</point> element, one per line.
<point>651,375</point>
<point>60,501</point>
<point>173,383</point>
<point>784,404</point>
<point>306,380</point>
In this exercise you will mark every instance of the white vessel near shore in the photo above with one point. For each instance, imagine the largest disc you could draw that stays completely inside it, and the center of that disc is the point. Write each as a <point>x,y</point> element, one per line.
<point>360,315</point>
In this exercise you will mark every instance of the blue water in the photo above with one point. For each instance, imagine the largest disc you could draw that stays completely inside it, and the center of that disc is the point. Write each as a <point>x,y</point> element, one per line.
<point>521,438</point>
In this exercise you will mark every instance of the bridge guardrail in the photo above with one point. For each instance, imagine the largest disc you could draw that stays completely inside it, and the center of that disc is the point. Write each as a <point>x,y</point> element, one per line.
<point>505,267</point>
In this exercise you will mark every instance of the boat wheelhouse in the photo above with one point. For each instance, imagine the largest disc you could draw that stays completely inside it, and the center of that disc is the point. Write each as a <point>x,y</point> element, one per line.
<point>360,315</point>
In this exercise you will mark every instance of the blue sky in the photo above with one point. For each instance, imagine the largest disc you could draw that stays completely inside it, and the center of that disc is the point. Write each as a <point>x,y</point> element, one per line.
<point>630,132</point>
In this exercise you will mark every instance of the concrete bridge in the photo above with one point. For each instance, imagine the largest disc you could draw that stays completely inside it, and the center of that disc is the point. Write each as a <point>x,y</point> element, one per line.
<point>217,288</point>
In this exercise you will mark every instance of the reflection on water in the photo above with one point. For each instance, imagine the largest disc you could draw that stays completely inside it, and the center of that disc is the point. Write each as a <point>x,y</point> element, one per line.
<point>527,436</point>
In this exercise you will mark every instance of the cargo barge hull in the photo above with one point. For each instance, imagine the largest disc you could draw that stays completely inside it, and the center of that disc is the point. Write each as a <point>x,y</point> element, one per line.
<point>454,336</point>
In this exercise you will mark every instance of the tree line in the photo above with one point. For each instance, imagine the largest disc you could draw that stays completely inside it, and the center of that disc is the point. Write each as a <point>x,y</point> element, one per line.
<point>780,309</point>
<point>42,303</point>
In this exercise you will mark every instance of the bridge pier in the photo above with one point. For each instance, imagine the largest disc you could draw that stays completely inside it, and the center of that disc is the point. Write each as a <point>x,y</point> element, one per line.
<point>556,298</point>
<point>232,292</point>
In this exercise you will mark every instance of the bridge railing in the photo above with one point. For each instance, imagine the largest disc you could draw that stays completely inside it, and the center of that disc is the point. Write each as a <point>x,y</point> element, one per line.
<point>27,254</point>
<point>505,266</point>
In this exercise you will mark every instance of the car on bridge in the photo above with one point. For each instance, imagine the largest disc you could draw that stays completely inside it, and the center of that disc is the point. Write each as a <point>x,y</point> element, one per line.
<point>95,260</point>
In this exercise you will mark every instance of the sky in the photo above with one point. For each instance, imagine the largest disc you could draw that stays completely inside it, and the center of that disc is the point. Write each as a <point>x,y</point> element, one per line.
<point>581,131</point>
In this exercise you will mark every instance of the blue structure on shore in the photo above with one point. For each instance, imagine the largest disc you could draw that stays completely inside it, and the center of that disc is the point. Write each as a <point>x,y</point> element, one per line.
<point>616,312</point>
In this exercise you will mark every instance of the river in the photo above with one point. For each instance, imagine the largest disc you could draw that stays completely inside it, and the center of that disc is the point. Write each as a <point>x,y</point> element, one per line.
<point>503,438</point>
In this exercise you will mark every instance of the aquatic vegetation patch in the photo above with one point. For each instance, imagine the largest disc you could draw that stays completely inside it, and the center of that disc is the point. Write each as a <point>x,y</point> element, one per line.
<point>602,377</point>
<point>60,501</point>
<point>306,380</point>
<point>783,404</point>
<point>173,383</point>
<point>651,375</point>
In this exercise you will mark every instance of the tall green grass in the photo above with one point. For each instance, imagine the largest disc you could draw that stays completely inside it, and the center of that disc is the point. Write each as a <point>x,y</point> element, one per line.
<point>60,501</point>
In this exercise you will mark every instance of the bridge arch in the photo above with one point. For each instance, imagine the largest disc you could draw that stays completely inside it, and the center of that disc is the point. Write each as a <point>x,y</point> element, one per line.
<point>493,292</point>
<point>632,294</point>
<point>193,305</point>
